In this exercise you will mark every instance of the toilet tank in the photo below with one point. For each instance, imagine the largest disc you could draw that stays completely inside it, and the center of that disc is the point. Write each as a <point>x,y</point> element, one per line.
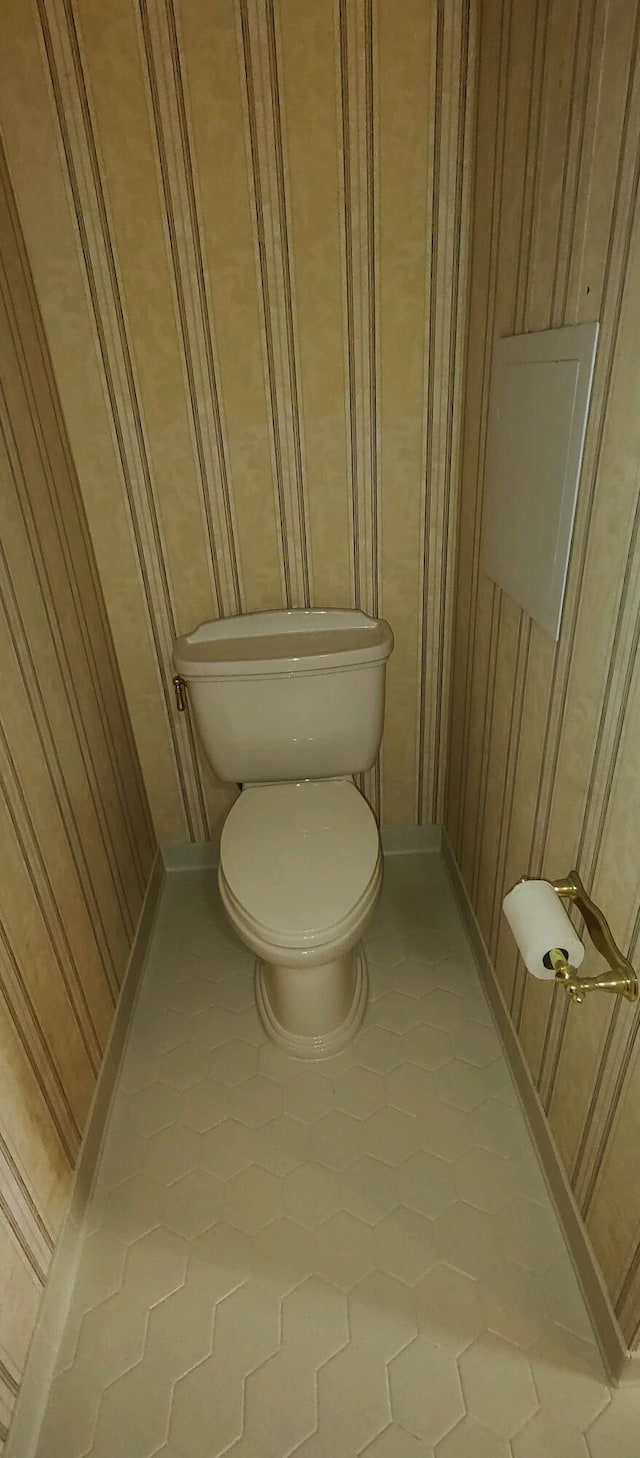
<point>293,695</point>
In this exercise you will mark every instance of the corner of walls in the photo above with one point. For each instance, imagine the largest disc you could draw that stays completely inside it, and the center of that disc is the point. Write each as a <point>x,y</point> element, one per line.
<point>205,854</point>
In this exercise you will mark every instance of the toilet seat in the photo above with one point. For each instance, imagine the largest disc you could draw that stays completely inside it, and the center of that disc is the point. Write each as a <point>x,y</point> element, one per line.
<point>300,863</point>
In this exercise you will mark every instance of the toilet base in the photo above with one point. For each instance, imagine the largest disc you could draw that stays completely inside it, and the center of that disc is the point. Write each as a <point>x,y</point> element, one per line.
<point>331,999</point>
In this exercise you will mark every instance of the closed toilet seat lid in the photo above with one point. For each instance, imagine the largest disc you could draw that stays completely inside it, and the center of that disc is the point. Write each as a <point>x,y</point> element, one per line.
<point>299,858</point>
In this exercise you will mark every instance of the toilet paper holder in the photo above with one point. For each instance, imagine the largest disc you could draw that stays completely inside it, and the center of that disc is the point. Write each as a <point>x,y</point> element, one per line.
<point>621,978</point>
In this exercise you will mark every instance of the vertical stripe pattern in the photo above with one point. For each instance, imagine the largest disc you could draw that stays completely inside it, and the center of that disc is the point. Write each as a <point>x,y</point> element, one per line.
<point>543,769</point>
<point>257,214</point>
<point>74,823</point>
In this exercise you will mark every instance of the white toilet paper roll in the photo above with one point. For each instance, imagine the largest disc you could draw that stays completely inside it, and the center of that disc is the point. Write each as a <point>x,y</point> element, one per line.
<point>539,922</point>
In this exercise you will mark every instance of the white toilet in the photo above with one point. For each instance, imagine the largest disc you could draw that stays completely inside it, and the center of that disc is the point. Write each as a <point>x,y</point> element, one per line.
<point>290,705</point>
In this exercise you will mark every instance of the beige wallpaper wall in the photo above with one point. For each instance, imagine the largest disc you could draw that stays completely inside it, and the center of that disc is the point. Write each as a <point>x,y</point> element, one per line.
<point>244,222</point>
<point>74,826</point>
<point>544,770</point>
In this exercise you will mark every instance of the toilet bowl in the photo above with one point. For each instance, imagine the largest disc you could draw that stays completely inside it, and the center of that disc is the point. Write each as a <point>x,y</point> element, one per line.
<point>300,874</point>
<point>289,705</point>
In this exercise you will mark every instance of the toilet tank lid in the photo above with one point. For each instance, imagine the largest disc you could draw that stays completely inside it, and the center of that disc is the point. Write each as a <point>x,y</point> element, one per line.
<point>298,640</point>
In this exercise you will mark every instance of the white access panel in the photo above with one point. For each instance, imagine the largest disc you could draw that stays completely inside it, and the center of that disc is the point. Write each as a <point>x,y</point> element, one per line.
<point>540,390</point>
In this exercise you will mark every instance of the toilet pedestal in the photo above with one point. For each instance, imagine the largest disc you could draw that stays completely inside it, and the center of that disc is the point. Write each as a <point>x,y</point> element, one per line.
<point>312,1012</point>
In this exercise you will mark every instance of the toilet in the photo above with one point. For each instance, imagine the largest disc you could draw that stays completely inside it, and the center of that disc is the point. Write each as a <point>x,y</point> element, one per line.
<point>290,706</point>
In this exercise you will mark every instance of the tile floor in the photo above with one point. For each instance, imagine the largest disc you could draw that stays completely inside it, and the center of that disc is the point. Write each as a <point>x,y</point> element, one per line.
<point>352,1257</point>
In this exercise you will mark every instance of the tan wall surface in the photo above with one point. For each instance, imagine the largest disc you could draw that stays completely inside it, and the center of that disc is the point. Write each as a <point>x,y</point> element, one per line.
<point>74,825</point>
<point>244,223</point>
<point>544,737</point>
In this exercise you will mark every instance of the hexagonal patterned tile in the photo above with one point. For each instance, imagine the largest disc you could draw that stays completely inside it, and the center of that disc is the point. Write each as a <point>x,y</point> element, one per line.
<point>516,1301</point>
<point>369,1189</point>
<point>470,1439</point>
<point>381,1314</point>
<point>171,1153</point>
<point>498,1127</point>
<point>410,1088</point>
<point>133,1207</point>
<point>315,1320</point>
<point>564,1299</point>
<point>547,1433</point>
<point>379,1050</point>
<point>153,1108</point>
<point>529,1235</point>
<point>212,1028</point>
<point>445,1131</point>
<point>284,1144</point>
<point>418,976</point>
<point>458,974</point>
<point>336,1140</point>
<point>307,1097</point>
<point>194,1202</point>
<point>102,1260</point>
<point>227,1149</point>
<point>253,1198</point>
<point>450,1308</point>
<point>165,1030</point>
<point>123,1157</point>
<point>404,1246</point>
<point>311,1194</point>
<point>497,1384</point>
<point>428,1046</point>
<point>395,1011</point>
<point>425,1388</point>
<point>425,1183</point>
<point>443,1009</point>
<point>569,1377</point>
<point>486,1180</point>
<point>181,1067</point>
<point>467,1239</point>
<point>136,1407</point>
<point>280,1401</point>
<point>257,1101</point>
<point>352,1399</point>
<point>358,1256</point>
<point>394,1442</point>
<point>359,1092</point>
<point>71,1413</point>
<point>476,1044</point>
<point>614,1434</point>
<point>204,1105</point>
<point>180,1330</point>
<point>386,948</point>
<point>233,1062</point>
<point>236,992</point>
<point>461,1084</point>
<point>391,1135</point>
<point>345,1250</point>
<point>220,1260</point>
<point>111,1338</point>
<point>156,1264</point>
<point>190,994</point>
<point>208,1400</point>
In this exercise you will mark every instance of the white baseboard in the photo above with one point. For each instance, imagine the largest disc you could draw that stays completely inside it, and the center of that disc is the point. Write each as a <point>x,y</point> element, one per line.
<point>622,1365</point>
<point>204,855</point>
<point>413,841</point>
<point>199,855</point>
<point>26,1423</point>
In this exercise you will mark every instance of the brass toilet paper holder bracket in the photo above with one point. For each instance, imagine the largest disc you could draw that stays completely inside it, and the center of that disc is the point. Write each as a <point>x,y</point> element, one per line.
<point>621,978</point>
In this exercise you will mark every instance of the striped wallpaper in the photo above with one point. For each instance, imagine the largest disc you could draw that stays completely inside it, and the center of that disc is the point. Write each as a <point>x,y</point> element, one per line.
<point>269,273</point>
<point>545,758</point>
<point>74,825</point>
<point>245,223</point>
